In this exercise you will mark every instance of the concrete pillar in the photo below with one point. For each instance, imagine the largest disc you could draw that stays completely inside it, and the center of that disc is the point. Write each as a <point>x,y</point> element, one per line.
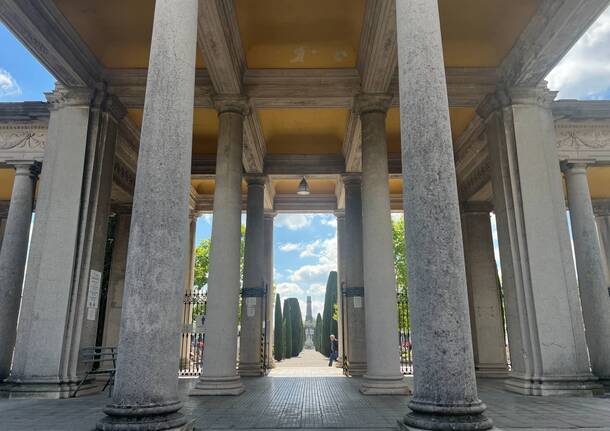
<point>591,278</point>
<point>2,226</point>
<point>253,293</point>
<point>601,209</point>
<point>219,375</point>
<point>13,256</point>
<point>340,283</point>
<point>45,333</point>
<point>269,312</point>
<point>484,296</point>
<point>353,294</point>
<point>445,391</point>
<point>116,281</point>
<point>145,395</point>
<point>543,313</point>
<point>383,374</point>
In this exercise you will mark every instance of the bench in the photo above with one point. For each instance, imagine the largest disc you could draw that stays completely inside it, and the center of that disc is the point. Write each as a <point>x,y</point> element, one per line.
<point>100,360</point>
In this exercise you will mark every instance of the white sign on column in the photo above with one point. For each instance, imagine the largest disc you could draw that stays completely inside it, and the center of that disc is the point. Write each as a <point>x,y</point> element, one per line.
<point>93,295</point>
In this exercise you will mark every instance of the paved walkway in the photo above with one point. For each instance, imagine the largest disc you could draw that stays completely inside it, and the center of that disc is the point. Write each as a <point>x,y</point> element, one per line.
<point>313,403</point>
<point>309,363</point>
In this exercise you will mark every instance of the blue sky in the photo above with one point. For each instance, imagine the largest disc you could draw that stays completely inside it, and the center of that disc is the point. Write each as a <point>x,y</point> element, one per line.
<point>305,245</point>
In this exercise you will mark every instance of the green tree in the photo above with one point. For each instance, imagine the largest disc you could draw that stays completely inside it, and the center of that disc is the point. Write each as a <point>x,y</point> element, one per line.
<point>202,264</point>
<point>329,326</point>
<point>400,253</point>
<point>296,326</point>
<point>278,345</point>
<point>317,334</point>
<point>287,330</point>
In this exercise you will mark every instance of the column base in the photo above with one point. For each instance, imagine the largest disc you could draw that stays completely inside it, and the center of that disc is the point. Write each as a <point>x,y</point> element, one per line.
<point>164,417</point>
<point>491,371</point>
<point>425,416</point>
<point>210,386</point>
<point>583,386</point>
<point>45,388</point>
<point>357,369</point>
<point>250,369</point>
<point>403,427</point>
<point>384,385</point>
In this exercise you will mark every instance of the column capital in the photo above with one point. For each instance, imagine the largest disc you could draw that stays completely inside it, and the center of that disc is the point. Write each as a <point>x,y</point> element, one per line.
<point>270,214</point>
<point>255,180</point>
<point>504,97</point>
<point>64,96</point>
<point>340,214</point>
<point>476,207</point>
<point>575,166</point>
<point>352,179</point>
<point>113,106</point>
<point>371,102</point>
<point>31,168</point>
<point>231,103</point>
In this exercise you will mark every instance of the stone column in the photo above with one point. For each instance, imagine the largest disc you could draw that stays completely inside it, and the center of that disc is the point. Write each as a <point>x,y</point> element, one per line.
<point>543,312</point>
<point>484,297</point>
<point>13,256</point>
<point>40,368</point>
<point>445,391</point>
<point>2,227</point>
<point>591,278</point>
<point>383,374</point>
<point>253,293</point>
<point>269,315</point>
<point>601,208</point>
<point>353,294</point>
<point>219,375</point>
<point>145,395</point>
<point>340,283</point>
<point>116,282</point>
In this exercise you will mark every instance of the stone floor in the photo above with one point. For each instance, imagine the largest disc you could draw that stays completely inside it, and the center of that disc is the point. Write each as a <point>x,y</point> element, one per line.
<point>311,397</point>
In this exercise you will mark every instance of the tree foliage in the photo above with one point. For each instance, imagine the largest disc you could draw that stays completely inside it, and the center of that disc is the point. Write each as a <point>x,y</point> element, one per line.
<point>296,326</point>
<point>400,254</point>
<point>317,334</point>
<point>278,336</point>
<point>287,330</point>
<point>329,326</point>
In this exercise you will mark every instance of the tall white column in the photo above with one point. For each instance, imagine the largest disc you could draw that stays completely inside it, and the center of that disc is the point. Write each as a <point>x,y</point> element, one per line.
<point>253,293</point>
<point>543,312</point>
<point>484,296</point>
<point>601,208</point>
<point>219,375</point>
<point>591,278</point>
<point>145,395</point>
<point>340,283</point>
<point>13,255</point>
<point>116,282</point>
<point>42,369</point>
<point>445,391</point>
<point>383,375</point>
<point>353,294</point>
<point>269,312</point>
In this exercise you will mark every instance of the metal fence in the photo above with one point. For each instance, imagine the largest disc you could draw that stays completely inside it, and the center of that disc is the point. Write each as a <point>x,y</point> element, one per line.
<point>404,333</point>
<point>193,339</point>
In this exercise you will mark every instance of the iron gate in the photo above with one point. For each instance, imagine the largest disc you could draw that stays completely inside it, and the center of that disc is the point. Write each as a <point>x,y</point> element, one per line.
<point>193,337</point>
<point>404,333</point>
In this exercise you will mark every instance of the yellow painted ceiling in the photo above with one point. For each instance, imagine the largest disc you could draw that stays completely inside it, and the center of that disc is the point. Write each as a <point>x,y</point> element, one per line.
<point>395,186</point>
<point>599,182</point>
<point>117,31</point>
<point>7,176</point>
<point>316,186</point>
<point>481,32</point>
<point>304,131</point>
<point>300,33</point>
<point>205,128</point>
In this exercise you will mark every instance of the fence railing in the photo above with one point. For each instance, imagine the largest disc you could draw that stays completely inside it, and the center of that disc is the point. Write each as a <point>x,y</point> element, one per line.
<point>193,338</point>
<point>404,333</point>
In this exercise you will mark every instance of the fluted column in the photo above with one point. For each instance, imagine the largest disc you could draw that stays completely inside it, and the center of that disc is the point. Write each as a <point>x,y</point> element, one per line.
<point>219,374</point>
<point>383,375</point>
<point>353,293</point>
<point>269,312</point>
<point>591,278</point>
<point>145,395</point>
<point>445,391</point>
<point>13,256</point>
<point>255,272</point>
<point>484,297</point>
<point>340,283</point>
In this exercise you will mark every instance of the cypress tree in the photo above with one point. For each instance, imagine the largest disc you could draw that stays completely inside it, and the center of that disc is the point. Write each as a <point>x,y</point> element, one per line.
<point>296,325</point>
<point>278,338</point>
<point>287,330</point>
<point>317,334</point>
<point>329,326</point>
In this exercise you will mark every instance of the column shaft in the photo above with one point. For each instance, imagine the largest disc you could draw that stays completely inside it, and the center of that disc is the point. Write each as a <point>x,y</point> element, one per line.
<point>591,278</point>
<point>13,255</point>
<point>602,218</point>
<point>383,374</point>
<point>219,374</point>
<point>341,336</point>
<point>445,392</point>
<point>484,295</point>
<point>145,395</point>
<point>353,294</point>
<point>2,228</point>
<point>269,324</point>
<point>253,293</point>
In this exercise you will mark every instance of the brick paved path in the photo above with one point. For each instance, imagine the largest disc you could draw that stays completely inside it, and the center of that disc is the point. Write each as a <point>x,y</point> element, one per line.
<point>313,403</point>
<point>309,363</point>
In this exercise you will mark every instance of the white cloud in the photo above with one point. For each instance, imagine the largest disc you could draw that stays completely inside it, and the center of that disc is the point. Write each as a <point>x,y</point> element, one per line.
<point>396,216</point>
<point>293,221</point>
<point>289,246</point>
<point>316,289</point>
<point>584,73</point>
<point>326,252</point>
<point>328,220</point>
<point>207,218</point>
<point>8,84</point>
<point>316,307</point>
<point>288,289</point>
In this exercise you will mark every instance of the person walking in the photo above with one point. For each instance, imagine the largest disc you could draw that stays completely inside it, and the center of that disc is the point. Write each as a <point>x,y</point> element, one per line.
<point>334,350</point>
